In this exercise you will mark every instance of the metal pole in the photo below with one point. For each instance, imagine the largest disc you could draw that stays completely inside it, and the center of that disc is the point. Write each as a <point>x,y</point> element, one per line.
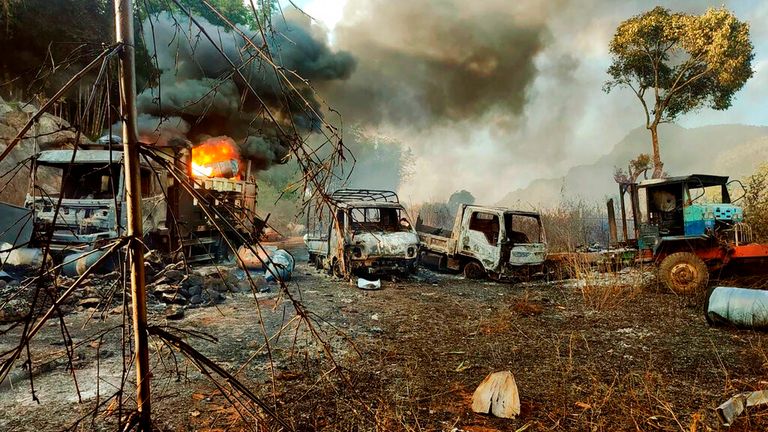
<point>623,190</point>
<point>124,33</point>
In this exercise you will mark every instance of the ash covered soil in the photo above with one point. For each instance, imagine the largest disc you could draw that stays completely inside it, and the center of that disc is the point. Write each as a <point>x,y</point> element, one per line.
<point>408,357</point>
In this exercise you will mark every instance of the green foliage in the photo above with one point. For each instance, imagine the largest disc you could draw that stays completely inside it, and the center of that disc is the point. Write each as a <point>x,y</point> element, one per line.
<point>687,61</point>
<point>234,10</point>
<point>637,166</point>
<point>676,63</point>
<point>277,198</point>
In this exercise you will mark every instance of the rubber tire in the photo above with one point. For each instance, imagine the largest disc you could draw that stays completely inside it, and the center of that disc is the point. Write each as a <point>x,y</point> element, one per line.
<point>473,270</point>
<point>684,273</point>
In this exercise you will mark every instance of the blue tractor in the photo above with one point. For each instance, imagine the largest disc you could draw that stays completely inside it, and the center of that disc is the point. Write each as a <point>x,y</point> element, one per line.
<point>690,227</point>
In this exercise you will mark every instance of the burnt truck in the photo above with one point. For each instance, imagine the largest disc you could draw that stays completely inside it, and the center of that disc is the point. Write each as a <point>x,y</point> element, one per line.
<point>88,185</point>
<point>362,232</point>
<point>494,242</point>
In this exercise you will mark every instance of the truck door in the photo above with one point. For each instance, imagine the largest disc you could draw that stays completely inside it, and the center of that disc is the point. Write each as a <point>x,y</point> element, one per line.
<point>481,232</point>
<point>337,235</point>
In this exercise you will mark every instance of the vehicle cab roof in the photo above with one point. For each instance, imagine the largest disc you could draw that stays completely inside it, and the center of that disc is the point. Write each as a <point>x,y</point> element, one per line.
<point>504,210</point>
<point>369,204</point>
<point>704,180</point>
<point>64,157</point>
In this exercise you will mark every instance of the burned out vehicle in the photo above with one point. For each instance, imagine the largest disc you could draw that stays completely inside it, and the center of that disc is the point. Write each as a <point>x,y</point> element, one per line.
<point>88,185</point>
<point>493,242</point>
<point>363,232</point>
<point>92,198</point>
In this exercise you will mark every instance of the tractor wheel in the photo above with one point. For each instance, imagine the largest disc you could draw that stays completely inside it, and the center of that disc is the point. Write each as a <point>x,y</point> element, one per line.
<point>684,273</point>
<point>473,270</point>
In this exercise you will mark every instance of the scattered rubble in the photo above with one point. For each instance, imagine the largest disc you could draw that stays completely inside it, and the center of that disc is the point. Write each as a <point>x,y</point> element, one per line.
<point>734,406</point>
<point>368,284</point>
<point>170,290</point>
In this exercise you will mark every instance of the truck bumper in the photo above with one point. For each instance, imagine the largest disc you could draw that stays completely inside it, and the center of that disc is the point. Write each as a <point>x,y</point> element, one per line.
<point>374,266</point>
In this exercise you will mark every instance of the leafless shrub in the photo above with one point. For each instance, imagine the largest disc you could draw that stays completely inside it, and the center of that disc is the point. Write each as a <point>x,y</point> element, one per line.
<point>603,291</point>
<point>756,202</point>
<point>575,223</point>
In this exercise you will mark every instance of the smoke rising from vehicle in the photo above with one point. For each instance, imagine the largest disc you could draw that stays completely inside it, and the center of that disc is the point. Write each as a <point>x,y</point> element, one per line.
<point>200,95</point>
<point>432,61</point>
<point>488,95</point>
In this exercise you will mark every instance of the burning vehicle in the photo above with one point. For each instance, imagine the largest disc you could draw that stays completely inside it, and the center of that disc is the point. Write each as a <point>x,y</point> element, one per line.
<point>87,186</point>
<point>493,242</point>
<point>364,232</point>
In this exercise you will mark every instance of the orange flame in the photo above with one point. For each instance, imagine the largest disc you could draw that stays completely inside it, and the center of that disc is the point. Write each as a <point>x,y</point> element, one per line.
<point>212,150</point>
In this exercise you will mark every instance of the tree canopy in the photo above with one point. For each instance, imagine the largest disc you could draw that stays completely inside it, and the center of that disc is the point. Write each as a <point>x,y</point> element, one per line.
<point>676,63</point>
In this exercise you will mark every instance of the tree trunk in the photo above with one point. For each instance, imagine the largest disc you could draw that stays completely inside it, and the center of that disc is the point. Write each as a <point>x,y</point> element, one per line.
<point>658,165</point>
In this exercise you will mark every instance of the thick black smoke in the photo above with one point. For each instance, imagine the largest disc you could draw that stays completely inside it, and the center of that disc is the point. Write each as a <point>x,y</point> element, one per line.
<point>427,61</point>
<point>197,86</point>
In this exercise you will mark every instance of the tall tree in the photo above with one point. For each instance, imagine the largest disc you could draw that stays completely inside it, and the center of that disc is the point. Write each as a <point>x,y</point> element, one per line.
<point>676,63</point>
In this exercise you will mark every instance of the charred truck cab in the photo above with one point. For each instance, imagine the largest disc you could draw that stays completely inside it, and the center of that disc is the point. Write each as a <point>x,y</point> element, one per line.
<point>493,242</point>
<point>92,200</point>
<point>364,232</point>
<point>92,211</point>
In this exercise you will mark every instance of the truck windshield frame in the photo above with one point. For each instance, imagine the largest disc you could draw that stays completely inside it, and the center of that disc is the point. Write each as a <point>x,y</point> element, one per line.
<point>522,228</point>
<point>85,181</point>
<point>376,218</point>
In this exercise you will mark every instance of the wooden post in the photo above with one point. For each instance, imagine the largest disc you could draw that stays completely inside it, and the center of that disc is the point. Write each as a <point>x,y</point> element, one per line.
<point>124,35</point>
<point>624,232</point>
<point>612,223</point>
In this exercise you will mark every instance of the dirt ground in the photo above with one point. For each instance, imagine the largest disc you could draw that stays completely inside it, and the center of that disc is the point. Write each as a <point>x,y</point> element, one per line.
<point>586,356</point>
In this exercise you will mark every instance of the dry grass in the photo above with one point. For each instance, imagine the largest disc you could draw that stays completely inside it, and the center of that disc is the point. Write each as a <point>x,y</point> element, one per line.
<point>602,291</point>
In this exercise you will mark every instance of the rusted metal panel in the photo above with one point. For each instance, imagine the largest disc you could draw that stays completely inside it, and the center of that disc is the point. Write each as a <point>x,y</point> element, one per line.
<point>528,254</point>
<point>754,250</point>
<point>64,157</point>
<point>363,230</point>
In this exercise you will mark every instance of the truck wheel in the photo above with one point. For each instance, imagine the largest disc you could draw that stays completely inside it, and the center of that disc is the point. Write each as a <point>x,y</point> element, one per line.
<point>473,270</point>
<point>336,269</point>
<point>684,273</point>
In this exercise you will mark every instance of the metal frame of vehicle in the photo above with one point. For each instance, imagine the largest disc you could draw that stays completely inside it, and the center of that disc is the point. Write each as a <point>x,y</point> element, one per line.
<point>363,232</point>
<point>686,236</point>
<point>484,242</point>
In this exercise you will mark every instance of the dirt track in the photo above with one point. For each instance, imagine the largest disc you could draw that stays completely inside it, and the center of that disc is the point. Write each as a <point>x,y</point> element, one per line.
<point>411,354</point>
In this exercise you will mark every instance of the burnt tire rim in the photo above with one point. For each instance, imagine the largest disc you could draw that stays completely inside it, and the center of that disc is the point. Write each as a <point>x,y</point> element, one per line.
<point>473,271</point>
<point>684,275</point>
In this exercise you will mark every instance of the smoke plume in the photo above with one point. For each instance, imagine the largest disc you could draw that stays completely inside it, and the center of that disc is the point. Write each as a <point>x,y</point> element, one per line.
<point>429,61</point>
<point>200,96</point>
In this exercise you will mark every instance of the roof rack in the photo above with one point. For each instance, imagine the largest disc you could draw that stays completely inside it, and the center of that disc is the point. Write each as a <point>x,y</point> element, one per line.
<point>372,195</point>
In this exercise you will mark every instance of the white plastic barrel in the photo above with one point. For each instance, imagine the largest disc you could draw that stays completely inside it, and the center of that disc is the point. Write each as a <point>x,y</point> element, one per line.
<point>280,265</point>
<point>742,307</point>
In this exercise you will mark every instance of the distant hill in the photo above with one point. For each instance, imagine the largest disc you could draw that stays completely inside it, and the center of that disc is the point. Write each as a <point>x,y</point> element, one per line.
<point>733,150</point>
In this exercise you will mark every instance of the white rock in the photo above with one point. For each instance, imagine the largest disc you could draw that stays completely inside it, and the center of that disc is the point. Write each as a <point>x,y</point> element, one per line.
<point>497,395</point>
